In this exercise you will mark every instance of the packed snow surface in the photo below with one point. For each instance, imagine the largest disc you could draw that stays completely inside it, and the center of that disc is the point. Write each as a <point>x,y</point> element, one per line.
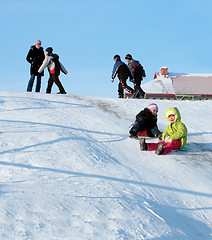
<point>70,171</point>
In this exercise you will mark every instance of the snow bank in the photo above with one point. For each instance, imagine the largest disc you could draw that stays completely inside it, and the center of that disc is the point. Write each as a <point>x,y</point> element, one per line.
<point>69,171</point>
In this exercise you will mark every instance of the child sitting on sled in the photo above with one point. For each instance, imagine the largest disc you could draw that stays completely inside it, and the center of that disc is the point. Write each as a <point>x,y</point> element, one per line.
<point>146,121</point>
<point>174,137</point>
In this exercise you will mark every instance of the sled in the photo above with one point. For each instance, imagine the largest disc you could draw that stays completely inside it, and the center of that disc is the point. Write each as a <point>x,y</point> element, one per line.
<point>144,133</point>
<point>183,149</point>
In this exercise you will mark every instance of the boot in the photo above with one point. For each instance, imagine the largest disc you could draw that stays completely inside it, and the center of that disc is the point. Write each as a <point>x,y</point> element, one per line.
<point>160,149</point>
<point>133,135</point>
<point>159,135</point>
<point>143,145</point>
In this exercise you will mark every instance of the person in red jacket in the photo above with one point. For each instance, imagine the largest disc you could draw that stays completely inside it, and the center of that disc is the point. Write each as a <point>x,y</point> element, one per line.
<point>54,66</point>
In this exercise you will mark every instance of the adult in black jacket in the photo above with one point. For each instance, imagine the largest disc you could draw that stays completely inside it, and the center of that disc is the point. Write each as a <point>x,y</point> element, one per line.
<point>35,57</point>
<point>123,72</point>
<point>146,120</point>
<point>138,74</point>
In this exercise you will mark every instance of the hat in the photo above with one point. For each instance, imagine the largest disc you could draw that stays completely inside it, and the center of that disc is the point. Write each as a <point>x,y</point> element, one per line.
<point>170,112</point>
<point>128,56</point>
<point>38,42</point>
<point>153,106</point>
<point>49,50</point>
<point>117,58</point>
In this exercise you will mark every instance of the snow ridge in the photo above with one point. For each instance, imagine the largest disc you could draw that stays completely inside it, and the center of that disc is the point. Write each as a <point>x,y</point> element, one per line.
<point>69,171</point>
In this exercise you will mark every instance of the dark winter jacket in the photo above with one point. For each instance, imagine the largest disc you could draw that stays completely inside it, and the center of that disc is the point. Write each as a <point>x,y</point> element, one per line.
<point>54,65</point>
<point>122,70</point>
<point>35,57</point>
<point>150,120</point>
<point>136,69</point>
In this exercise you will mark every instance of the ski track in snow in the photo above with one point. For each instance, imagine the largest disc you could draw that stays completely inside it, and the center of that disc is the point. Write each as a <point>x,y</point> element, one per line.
<point>69,171</point>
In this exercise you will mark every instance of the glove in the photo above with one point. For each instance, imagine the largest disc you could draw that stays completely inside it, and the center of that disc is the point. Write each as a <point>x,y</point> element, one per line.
<point>112,80</point>
<point>168,139</point>
<point>159,135</point>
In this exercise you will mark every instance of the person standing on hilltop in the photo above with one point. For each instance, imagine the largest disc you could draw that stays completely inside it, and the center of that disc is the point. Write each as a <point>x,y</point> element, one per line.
<point>123,72</point>
<point>35,57</point>
<point>138,73</point>
<point>54,66</point>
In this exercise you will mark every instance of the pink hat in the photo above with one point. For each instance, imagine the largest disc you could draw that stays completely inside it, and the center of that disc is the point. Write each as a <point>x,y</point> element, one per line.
<point>38,42</point>
<point>153,106</point>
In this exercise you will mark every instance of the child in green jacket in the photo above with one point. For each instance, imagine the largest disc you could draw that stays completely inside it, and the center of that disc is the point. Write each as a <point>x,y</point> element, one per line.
<point>174,137</point>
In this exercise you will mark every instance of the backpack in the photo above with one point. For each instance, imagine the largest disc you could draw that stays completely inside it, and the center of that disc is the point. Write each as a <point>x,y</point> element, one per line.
<point>139,71</point>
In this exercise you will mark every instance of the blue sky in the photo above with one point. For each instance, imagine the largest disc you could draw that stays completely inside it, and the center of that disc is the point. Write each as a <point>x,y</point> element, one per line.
<point>87,34</point>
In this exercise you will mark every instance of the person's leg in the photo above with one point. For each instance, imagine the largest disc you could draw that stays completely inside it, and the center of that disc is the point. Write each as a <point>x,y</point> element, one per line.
<point>150,146</point>
<point>59,84</point>
<point>138,125</point>
<point>125,86</point>
<point>120,90</point>
<point>30,83</point>
<point>174,145</point>
<point>38,85</point>
<point>142,93</point>
<point>153,146</point>
<point>138,88</point>
<point>163,149</point>
<point>50,84</point>
<point>154,132</point>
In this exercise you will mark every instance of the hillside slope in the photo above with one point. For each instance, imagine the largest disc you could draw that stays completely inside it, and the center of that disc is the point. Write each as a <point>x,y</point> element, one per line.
<point>69,171</point>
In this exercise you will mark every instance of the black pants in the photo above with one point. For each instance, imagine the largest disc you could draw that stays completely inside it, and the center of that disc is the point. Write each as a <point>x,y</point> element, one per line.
<point>139,125</point>
<point>137,87</point>
<point>54,79</point>
<point>123,85</point>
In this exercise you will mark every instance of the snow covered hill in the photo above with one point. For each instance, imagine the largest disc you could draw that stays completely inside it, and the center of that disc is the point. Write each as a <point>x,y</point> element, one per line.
<point>69,171</point>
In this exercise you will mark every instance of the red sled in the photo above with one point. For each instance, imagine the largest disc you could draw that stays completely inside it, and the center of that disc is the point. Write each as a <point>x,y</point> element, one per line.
<point>144,133</point>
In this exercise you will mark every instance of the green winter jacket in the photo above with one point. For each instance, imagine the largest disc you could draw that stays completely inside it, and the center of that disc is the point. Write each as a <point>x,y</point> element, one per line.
<point>176,130</point>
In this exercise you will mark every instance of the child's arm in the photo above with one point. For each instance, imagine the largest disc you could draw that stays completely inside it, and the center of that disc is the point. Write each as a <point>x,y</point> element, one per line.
<point>165,134</point>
